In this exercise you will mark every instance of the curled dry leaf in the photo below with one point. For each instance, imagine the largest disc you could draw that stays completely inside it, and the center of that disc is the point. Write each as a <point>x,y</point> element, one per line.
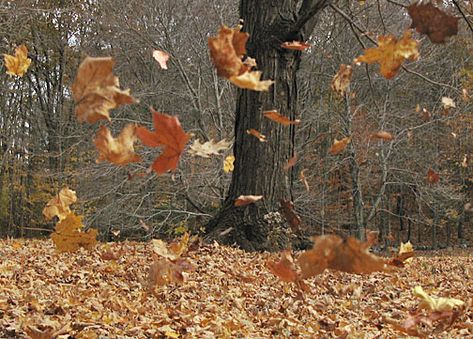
<point>291,162</point>
<point>295,45</point>
<point>96,90</point>
<point>69,236</point>
<point>341,80</point>
<point>256,134</point>
<point>432,176</point>
<point>228,165</point>
<point>346,255</point>
<point>118,150</point>
<point>59,205</point>
<point>162,58</point>
<point>303,179</point>
<point>287,209</point>
<point>244,200</point>
<point>251,80</point>
<point>382,135</point>
<point>430,20</point>
<point>19,63</point>
<point>391,53</point>
<point>339,145</point>
<point>168,134</point>
<point>280,119</point>
<point>208,148</point>
<point>284,269</point>
<point>448,103</point>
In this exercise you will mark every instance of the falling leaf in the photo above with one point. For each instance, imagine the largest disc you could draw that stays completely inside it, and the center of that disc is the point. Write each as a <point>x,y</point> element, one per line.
<point>339,145</point>
<point>436,304</point>
<point>303,179</point>
<point>118,150</point>
<point>19,63</point>
<point>341,80</point>
<point>96,90</point>
<point>391,53</point>
<point>162,58</point>
<point>59,205</point>
<point>382,135</point>
<point>295,45</point>
<point>406,248</point>
<point>208,148</point>
<point>228,164</point>
<point>280,119</point>
<point>168,134</point>
<point>284,269</point>
<point>69,236</point>
<point>432,176</point>
<point>163,272</point>
<point>346,255</point>
<point>244,200</point>
<point>256,134</point>
<point>430,20</point>
<point>448,103</point>
<point>465,161</point>
<point>251,80</point>
<point>287,209</point>
<point>405,254</point>
<point>291,162</point>
<point>173,250</point>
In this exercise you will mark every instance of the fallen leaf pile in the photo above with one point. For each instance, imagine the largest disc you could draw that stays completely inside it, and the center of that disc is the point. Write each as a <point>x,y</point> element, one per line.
<point>229,294</point>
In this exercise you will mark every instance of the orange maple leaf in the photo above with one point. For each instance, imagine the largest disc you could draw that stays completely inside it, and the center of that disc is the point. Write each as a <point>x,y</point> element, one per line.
<point>168,134</point>
<point>96,90</point>
<point>391,53</point>
<point>339,145</point>
<point>118,150</point>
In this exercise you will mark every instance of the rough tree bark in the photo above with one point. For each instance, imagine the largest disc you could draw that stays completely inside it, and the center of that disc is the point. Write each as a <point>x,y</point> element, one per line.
<point>259,166</point>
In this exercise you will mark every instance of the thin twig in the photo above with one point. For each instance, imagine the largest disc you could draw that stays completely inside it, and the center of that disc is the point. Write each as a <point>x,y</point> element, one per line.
<point>463,14</point>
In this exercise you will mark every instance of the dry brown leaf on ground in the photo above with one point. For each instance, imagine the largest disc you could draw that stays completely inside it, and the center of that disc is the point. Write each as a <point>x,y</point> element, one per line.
<point>244,200</point>
<point>161,58</point>
<point>280,119</point>
<point>19,63</point>
<point>346,255</point>
<point>59,205</point>
<point>69,236</point>
<point>96,90</point>
<point>430,20</point>
<point>119,150</point>
<point>339,145</point>
<point>208,148</point>
<point>391,53</point>
<point>341,80</point>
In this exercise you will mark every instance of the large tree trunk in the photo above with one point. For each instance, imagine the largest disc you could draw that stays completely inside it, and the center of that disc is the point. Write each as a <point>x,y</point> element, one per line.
<point>259,166</point>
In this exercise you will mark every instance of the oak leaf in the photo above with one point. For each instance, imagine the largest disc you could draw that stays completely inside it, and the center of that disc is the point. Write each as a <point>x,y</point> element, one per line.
<point>280,119</point>
<point>168,134</point>
<point>118,150</point>
<point>228,165</point>
<point>430,20</point>
<point>59,205</point>
<point>161,58</point>
<point>208,148</point>
<point>295,45</point>
<point>339,145</point>
<point>244,200</point>
<point>96,90</point>
<point>69,236</point>
<point>341,80</point>
<point>391,53</point>
<point>19,63</point>
<point>256,134</point>
<point>346,255</point>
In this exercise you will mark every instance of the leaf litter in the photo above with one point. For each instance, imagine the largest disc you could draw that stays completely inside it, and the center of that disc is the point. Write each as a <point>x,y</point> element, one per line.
<point>229,293</point>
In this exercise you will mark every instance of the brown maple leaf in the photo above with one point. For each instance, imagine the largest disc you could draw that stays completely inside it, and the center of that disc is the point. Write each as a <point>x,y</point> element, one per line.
<point>435,23</point>
<point>118,150</point>
<point>339,145</point>
<point>169,135</point>
<point>96,90</point>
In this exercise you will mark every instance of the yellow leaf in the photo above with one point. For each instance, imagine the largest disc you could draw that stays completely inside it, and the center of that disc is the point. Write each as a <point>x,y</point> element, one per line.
<point>208,148</point>
<point>59,205</point>
<point>251,80</point>
<point>391,53</point>
<point>341,80</point>
<point>68,235</point>
<point>434,303</point>
<point>228,164</point>
<point>19,63</point>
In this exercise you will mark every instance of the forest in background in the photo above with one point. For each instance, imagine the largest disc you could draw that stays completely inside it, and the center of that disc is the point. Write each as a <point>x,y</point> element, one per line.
<point>43,146</point>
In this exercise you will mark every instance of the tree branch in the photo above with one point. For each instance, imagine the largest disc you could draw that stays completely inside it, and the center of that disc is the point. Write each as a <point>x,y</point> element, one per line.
<point>308,14</point>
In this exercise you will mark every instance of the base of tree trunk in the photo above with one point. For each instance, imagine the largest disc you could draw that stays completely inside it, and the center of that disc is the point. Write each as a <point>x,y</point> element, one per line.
<point>252,228</point>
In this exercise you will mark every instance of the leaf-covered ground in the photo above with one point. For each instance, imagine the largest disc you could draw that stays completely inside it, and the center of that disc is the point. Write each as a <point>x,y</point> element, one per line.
<point>229,294</point>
